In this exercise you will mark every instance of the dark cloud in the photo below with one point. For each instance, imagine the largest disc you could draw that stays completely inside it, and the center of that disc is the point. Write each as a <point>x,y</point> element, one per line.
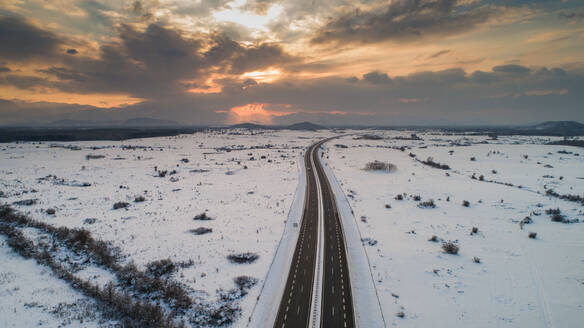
<point>455,97</point>
<point>259,7</point>
<point>438,54</point>
<point>5,69</point>
<point>20,40</point>
<point>376,77</point>
<point>237,59</point>
<point>23,82</point>
<point>72,51</point>
<point>572,15</point>
<point>353,79</point>
<point>511,69</point>
<point>404,20</point>
<point>158,61</point>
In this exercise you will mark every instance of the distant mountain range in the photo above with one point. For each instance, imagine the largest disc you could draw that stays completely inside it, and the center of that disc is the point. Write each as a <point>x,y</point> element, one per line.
<point>304,126</point>
<point>133,122</point>
<point>568,128</point>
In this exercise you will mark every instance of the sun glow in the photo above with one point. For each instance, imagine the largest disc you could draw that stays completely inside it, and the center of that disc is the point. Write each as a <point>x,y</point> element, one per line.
<point>263,76</point>
<point>254,113</point>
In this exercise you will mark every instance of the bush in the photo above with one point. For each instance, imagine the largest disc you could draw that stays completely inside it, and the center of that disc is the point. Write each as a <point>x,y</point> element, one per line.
<point>434,238</point>
<point>532,235</point>
<point>399,197</point>
<point>25,202</point>
<point>89,220</point>
<point>526,220</point>
<point>380,166</point>
<point>465,203</point>
<point>558,218</point>
<point>474,231</point>
<point>162,174</point>
<point>473,159</point>
<point>243,258</point>
<point>202,217</point>
<point>427,204</point>
<point>417,198</point>
<point>476,260</point>
<point>450,248</point>
<point>553,211</point>
<point>430,162</point>
<point>245,282</point>
<point>161,268</point>
<point>201,231</point>
<point>91,156</point>
<point>119,205</point>
<point>51,211</point>
<point>139,199</point>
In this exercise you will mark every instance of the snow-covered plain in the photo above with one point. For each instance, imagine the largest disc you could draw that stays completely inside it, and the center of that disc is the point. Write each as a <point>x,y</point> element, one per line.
<point>247,198</point>
<point>519,282</point>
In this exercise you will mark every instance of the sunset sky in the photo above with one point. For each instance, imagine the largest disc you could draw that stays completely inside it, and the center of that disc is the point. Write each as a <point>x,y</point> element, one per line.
<point>332,62</point>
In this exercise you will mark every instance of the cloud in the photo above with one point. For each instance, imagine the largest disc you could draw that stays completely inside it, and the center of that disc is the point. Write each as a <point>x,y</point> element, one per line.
<point>157,61</point>
<point>404,20</point>
<point>376,77</point>
<point>259,7</point>
<point>422,98</point>
<point>511,69</point>
<point>21,40</point>
<point>438,54</point>
<point>23,82</point>
<point>72,51</point>
<point>572,15</point>
<point>5,69</point>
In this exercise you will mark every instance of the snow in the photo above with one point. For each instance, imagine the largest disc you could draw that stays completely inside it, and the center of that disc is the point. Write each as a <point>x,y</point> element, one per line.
<point>266,309</point>
<point>249,206</point>
<point>520,281</point>
<point>29,293</point>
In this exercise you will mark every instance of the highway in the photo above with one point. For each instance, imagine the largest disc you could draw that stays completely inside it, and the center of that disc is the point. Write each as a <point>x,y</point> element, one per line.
<point>318,289</point>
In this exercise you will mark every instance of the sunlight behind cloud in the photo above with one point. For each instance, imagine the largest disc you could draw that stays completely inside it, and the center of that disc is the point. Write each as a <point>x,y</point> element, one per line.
<point>263,76</point>
<point>248,19</point>
<point>254,113</point>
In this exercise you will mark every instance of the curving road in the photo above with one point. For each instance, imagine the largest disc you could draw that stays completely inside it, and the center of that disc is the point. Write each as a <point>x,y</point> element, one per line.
<point>318,290</point>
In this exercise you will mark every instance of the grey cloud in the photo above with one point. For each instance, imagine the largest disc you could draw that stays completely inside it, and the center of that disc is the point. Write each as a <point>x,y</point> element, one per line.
<point>23,82</point>
<point>511,69</point>
<point>353,79</point>
<point>5,69</point>
<point>259,7</point>
<point>237,59</point>
<point>404,20</point>
<point>376,77</point>
<point>158,61</point>
<point>438,54</point>
<point>21,40</point>
<point>572,15</point>
<point>72,51</point>
<point>453,96</point>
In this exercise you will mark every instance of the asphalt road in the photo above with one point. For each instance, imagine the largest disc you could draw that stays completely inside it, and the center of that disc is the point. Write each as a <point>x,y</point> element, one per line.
<point>337,305</point>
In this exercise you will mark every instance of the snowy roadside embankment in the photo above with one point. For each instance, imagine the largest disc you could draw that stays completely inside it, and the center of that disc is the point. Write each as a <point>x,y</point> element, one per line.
<point>266,309</point>
<point>365,300</point>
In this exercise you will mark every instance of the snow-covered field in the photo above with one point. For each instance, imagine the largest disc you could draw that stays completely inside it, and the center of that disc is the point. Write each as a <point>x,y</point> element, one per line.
<point>244,180</point>
<point>519,282</point>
